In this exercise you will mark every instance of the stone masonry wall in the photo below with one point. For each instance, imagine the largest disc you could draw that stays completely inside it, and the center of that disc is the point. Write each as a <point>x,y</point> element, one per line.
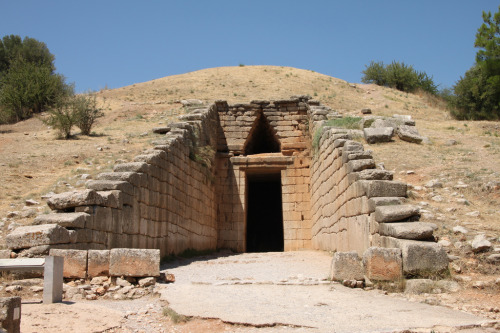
<point>164,199</point>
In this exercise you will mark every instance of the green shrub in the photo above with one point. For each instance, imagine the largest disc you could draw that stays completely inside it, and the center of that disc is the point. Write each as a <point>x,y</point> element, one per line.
<point>399,76</point>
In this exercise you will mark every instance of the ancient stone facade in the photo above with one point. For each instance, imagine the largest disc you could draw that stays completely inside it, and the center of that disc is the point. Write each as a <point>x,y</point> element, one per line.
<point>249,177</point>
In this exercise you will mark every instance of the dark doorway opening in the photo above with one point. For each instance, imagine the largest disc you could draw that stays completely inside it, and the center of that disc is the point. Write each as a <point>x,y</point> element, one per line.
<point>264,213</point>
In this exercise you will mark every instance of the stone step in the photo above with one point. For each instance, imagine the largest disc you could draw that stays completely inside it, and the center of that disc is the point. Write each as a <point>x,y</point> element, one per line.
<point>408,230</point>
<point>396,213</point>
<point>419,258</point>
<point>67,220</point>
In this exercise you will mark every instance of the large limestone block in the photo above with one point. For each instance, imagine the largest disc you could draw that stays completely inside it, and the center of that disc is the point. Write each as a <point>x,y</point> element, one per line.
<point>383,264</point>
<point>383,188</point>
<point>383,201</point>
<point>140,167</point>
<point>75,262</point>
<point>106,185</point>
<point>409,133</point>
<point>360,165</point>
<point>376,135</point>
<point>71,220</point>
<point>134,262</point>
<point>75,198</point>
<point>419,258</point>
<point>374,174</point>
<point>29,236</point>
<point>395,213</point>
<point>408,230</point>
<point>98,263</point>
<point>347,266</point>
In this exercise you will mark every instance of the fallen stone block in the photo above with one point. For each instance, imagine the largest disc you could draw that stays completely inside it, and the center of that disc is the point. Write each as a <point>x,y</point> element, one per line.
<point>67,220</point>
<point>347,266</point>
<point>408,230</point>
<point>383,264</point>
<point>29,236</point>
<point>75,262</point>
<point>10,314</point>
<point>377,135</point>
<point>409,134</point>
<point>395,213</point>
<point>134,262</point>
<point>98,263</point>
<point>375,174</point>
<point>73,199</point>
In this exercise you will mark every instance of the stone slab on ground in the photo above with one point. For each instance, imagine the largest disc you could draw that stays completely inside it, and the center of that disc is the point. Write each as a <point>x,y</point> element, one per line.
<point>254,299</point>
<point>75,262</point>
<point>134,262</point>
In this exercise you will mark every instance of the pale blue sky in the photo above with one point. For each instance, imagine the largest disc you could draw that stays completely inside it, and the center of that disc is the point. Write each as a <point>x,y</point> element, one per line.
<point>115,43</point>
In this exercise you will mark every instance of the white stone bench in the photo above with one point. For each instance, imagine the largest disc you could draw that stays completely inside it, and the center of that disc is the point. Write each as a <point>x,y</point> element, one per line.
<point>52,273</point>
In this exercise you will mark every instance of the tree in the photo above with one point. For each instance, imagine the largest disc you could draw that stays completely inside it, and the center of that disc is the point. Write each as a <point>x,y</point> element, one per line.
<point>477,93</point>
<point>375,73</point>
<point>28,83</point>
<point>75,110</point>
<point>86,111</point>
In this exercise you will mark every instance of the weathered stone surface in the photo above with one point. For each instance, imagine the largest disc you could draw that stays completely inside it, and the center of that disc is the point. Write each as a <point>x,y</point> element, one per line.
<point>10,314</point>
<point>419,258</point>
<point>375,174</point>
<point>383,264</point>
<point>409,133</point>
<point>383,201</point>
<point>161,130</point>
<point>384,188</point>
<point>134,262</point>
<point>376,135</point>
<point>428,286</point>
<point>360,165</point>
<point>106,185</point>
<point>72,199</point>
<point>75,262</point>
<point>131,167</point>
<point>395,213</point>
<point>408,230</point>
<point>347,266</point>
<point>45,234</point>
<point>71,220</point>
<point>98,263</point>
<point>480,244</point>
<point>5,254</point>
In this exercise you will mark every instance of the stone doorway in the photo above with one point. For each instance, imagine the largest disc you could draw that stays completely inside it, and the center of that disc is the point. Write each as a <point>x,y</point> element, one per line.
<point>264,220</point>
